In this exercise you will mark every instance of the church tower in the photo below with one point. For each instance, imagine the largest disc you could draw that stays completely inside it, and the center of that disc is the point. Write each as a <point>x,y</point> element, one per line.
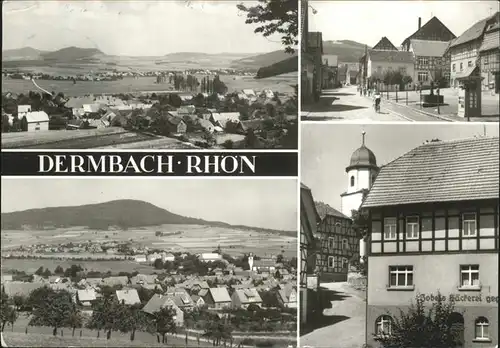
<point>250,261</point>
<point>361,174</point>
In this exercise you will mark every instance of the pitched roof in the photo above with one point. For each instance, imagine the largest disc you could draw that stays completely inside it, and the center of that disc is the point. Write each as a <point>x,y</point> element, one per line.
<point>428,48</point>
<point>383,44</point>
<point>490,41</point>
<point>220,294</point>
<point>390,56</point>
<point>473,32</point>
<point>433,21</point>
<point>37,116</point>
<point>249,295</point>
<point>205,124</point>
<point>459,170</point>
<point>324,209</point>
<point>155,303</point>
<point>119,280</point>
<point>128,296</point>
<point>309,215</point>
<point>264,263</point>
<point>86,295</point>
<point>20,288</point>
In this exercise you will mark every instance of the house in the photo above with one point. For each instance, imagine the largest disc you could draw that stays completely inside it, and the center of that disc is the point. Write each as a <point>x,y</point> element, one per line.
<point>287,296</point>
<point>217,298</point>
<point>221,120</point>
<point>309,220</point>
<point>381,61</point>
<point>144,279</point>
<point>465,50</point>
<point>91,108</point>
<point>112,281</point>
<point>20,288</point>
<point>86,297</point>
<point>433,217</point>
<point>489,53</point>
<point>176,125</point>
<point>153,257</point>
<point>128,296</point>
<point>168,257</point>
<point>384,45</point>
<point>433,30</point>
<point>198,301</point>
<point>35,121</point>
<point>159,301</point>
<point>6,278</point>
<point>210,257</point>
<point>432,62</point>
<point>283,273</point>
<point>140,258</point>
<point>337,243</point>
<point>22,110</point>
<point>90,282</point>
<point>264,265</point>
<point>242,298</point>
<point>206,125</point>
<point>182,300</point>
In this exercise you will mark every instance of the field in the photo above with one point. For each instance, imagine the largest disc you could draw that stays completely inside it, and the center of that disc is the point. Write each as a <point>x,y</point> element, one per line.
<point>280,84</point>
<point>192,238</point>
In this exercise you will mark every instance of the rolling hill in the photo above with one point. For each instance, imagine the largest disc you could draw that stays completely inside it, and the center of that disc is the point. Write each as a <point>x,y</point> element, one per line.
<point>346,50</point>
<point>261,60</point>
<point>68,54</point>
<point>25,53</point>
<point>120,213</point>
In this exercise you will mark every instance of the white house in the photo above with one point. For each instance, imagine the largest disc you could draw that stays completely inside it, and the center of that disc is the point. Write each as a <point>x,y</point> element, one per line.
<point>210,257</point>
<point>35,121</point>
<point>140,258</point>
<point>22,110</point>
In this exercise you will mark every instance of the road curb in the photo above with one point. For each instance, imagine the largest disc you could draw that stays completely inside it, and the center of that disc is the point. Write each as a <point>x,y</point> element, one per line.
<point>444,118</point>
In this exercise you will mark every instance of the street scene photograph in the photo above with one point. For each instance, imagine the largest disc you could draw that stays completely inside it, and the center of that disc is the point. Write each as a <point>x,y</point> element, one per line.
<point>399,236</point>
<point>150,74</point>
<point>404,61</point>
<point>162,263</point>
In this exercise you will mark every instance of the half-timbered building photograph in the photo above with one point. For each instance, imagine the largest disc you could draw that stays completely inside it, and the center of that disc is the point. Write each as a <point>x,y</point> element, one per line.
<point>426,223</point>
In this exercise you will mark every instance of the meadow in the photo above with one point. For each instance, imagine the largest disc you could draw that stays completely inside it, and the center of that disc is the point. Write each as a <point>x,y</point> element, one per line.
<point>282,84</point>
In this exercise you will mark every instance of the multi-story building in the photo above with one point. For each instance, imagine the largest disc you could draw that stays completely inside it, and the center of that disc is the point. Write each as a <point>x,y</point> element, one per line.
<point>433,30</point>
<point>464,51</point>
<point>489,53</point>
<point>433,228</point>
<point>338,243</point>
<point>309,219</point>
<point>378,62</point>
<point>432,62</point>
<point>330,71</point>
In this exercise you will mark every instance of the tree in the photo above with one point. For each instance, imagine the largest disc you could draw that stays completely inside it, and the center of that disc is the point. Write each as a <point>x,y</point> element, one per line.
<point>8,314</point>
<point>19,301</point>
<point>59,270</point>
<point>421,327</point>
<point>39,271</point>
<point>273,17</point>
<point>164,322</point>
<point>106,315</point>
<point>406,80</point>
<point>54,310</point>
<point>219,87</point>
<point>209,138</point>
<point>251,140</point>
<point>75,320</point>
<point>133,319</point>
<point>158,264</point>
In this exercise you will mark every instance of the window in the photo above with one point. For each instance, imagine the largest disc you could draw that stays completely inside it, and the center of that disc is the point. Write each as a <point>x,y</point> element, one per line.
<point>412,227</point>
<point>345,263</point>
<point>331,243</point>
<point>383,326</point>
<point>390,228</point>
<point>345,245</point>
<point>454,67</point>
<point>400,276</point>
<point>469,276</point>
<point>482,329</point>
<point>423,60</point>
<point>352,181</point>
<point>461,66</point>
<point>423,76</point>
<point>469,225</point>
<point>331,261</point>
<point>469,63</point>
<point>485,60</point>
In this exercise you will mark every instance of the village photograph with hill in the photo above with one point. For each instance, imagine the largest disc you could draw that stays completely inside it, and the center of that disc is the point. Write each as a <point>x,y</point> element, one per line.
<point>150,74</point>
<point>400,61</point>
<point>165,263</point>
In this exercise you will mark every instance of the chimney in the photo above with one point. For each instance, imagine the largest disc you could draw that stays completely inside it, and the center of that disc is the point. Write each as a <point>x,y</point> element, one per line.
<point>419,23</point>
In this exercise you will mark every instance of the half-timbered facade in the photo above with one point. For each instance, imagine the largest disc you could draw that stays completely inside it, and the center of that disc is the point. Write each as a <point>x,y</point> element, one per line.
<point>434,217</point>
<point>309,219</point>
<point>337,245</point>
<point>489,53</point>
<point>432,62</point>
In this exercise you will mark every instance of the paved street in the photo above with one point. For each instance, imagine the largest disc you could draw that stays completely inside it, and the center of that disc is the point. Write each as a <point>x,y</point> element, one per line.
<point>343,324</point>
<point>345,104</point>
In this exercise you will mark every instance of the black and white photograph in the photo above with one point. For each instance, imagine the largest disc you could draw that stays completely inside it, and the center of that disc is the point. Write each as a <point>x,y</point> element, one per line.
<point>399,61</point>
<point>149,263</point>
<point>149,74</point>
<point>399,235</point>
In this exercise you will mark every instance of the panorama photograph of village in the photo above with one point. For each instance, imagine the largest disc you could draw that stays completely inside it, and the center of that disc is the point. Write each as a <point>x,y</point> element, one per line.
<point>168,263</point>
<point>399,239</point>
<point>149,74</point>
<point>365,61</point>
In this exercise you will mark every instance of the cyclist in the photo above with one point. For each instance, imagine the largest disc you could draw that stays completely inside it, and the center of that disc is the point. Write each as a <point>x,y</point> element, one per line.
<point>377,98</point>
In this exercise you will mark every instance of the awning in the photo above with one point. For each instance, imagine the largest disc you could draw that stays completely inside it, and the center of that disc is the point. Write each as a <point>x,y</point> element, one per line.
<point>470,73</point>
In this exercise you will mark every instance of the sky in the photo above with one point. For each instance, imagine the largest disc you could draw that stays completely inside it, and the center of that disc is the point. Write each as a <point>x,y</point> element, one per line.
<point>326,149</point>
<point>265,203</point>
<point>367,22</point>
<point>133,28</point>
